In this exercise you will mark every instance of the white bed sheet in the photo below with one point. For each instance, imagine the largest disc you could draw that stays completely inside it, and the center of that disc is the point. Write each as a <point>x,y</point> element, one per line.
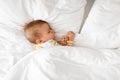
<point>68,63</point>
<point>61,14</point>
<point>102,27</point>
<point>60,63</point>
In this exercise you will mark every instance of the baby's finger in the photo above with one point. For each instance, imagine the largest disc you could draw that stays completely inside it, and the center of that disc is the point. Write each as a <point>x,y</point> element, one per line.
<point>66,38</point>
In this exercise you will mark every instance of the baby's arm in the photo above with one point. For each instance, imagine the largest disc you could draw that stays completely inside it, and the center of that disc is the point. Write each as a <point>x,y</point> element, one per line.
<point>68,39</point>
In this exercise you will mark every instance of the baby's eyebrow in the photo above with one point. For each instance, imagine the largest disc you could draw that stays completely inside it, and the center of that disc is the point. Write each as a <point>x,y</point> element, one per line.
<point>50,28</point>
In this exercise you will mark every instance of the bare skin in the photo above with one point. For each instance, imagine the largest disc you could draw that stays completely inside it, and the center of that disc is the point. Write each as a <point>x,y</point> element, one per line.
<point>46,33</point>
<point>69,37</point>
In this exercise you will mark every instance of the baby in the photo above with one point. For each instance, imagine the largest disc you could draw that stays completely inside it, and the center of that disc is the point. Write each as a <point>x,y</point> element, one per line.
<point>40,33</point>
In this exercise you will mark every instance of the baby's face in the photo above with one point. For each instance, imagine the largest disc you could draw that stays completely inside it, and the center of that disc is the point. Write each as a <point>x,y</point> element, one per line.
<point>46,33</point>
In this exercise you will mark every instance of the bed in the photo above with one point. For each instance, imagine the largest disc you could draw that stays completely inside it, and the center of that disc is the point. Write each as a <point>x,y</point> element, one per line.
<point>94,56</point>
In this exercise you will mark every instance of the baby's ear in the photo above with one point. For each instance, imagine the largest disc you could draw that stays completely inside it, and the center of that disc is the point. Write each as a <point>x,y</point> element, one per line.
<point>38,41</point>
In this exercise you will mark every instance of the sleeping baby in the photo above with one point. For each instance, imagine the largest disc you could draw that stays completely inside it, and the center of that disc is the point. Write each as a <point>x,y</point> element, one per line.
<point>40,33</point>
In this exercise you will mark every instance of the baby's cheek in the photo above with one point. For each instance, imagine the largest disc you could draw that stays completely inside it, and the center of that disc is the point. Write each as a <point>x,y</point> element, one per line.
<point>51,36</point>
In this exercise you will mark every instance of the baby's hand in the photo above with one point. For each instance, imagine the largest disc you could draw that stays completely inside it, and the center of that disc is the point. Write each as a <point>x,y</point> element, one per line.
<point>64,40</point>
<point>71,36</point>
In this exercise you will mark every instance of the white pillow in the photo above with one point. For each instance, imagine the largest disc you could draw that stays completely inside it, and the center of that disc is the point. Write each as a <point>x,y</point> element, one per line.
<point>102,27</point>
<point>63,15</point>
<point>15,13</point>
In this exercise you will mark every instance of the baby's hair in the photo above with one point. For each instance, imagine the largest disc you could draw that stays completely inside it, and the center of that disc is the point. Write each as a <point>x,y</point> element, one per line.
<point>31,31</point>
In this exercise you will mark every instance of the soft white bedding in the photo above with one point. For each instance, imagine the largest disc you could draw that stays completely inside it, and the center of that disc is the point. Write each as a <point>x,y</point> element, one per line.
<point>63,15</point>
<point>102,27</point>
<point>68,63</point>
<point>19,61</point>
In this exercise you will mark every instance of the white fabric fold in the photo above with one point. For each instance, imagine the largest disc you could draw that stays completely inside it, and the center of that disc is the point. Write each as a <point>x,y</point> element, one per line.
<point>65,63</point>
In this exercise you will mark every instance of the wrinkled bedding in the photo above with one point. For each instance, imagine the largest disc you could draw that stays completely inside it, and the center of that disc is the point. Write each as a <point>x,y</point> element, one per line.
<point>68,63</point>
<point>94,56</point>
<point>102,26</point>
<point>61,14</point>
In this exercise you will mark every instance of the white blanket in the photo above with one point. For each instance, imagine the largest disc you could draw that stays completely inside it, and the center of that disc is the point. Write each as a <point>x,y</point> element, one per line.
<point>59,63</point>
<point>68,63</point>
<point>63,16</point>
